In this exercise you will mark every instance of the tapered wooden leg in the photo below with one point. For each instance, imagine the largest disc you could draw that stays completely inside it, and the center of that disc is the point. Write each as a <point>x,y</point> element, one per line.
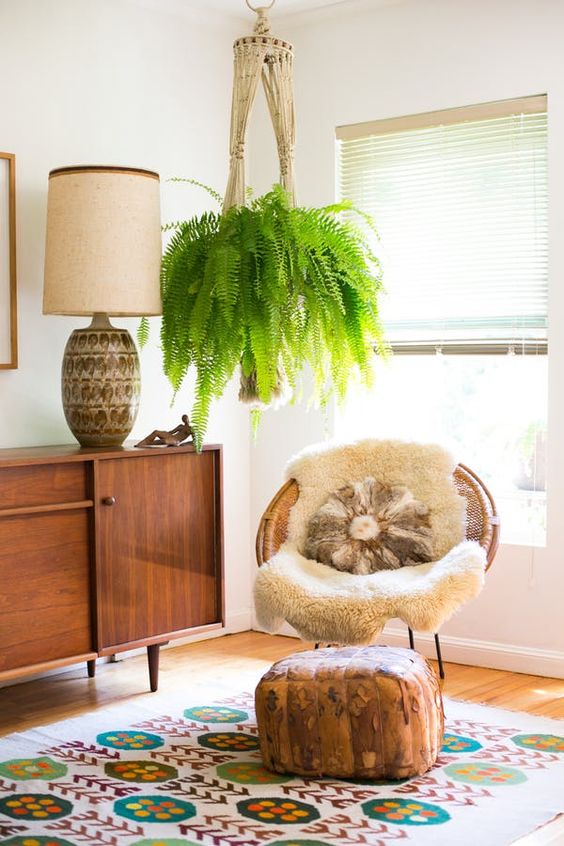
<point>153,660</point>
<point>439,657</point>
<point>91,666</point>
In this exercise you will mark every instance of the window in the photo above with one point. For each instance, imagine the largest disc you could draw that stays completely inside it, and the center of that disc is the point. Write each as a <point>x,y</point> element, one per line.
<point>460,202</point>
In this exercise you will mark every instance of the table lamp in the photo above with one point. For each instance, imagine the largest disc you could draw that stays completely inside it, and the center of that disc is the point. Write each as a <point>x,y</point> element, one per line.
<point>102,258</point>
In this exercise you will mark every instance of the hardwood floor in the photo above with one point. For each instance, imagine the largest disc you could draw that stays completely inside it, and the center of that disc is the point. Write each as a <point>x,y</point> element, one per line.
<point>241,659</point>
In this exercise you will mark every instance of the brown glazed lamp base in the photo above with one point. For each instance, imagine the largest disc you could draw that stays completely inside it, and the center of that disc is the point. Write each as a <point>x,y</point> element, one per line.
<point>101,383</point>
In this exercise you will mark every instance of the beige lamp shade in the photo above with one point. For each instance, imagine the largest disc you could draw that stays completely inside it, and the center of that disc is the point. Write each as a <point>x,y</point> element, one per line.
<point>103,248</point>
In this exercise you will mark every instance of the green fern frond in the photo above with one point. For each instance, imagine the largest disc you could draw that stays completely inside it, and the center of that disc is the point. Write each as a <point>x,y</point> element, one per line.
<point>271,288</point>
<point>143,332</point>
<point>256,415</point>
<point>215,194</point>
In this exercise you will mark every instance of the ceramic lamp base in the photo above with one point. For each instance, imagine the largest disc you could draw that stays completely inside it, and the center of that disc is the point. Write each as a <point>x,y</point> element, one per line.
<point>101,383</point>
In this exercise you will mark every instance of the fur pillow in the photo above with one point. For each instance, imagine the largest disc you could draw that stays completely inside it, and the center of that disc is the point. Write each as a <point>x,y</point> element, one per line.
<point>367,526</point>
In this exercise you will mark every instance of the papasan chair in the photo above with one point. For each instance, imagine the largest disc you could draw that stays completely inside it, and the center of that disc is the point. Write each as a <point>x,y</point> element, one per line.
<point>325,605</point>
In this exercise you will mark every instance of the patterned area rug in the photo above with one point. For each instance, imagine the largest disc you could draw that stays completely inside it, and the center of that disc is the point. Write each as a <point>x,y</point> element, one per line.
<point>185,771</point>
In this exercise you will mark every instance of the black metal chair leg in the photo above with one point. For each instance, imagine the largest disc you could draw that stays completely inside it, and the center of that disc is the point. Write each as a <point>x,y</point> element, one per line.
<point>439,657</point>
<point>411,642</point>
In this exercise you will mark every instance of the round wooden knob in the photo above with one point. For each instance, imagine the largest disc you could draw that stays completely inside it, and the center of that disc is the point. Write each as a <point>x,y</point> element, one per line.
<point>109,500</point>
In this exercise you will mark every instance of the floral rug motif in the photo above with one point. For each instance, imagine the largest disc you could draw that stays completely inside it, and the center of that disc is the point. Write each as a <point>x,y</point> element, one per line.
<point>185,770</point>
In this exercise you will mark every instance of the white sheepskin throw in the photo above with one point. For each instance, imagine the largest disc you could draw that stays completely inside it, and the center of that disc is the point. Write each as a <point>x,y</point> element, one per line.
<point>326,605</point>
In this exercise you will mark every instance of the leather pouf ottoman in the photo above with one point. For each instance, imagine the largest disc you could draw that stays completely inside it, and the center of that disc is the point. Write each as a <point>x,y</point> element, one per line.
<point>367,712</point>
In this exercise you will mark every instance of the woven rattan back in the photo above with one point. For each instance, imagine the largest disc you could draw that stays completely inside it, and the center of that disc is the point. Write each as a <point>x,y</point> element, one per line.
<point>482,521</point>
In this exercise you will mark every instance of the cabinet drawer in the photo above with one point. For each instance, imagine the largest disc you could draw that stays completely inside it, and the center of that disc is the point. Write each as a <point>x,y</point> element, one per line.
<point>45,598</point>
<point>43,484</point>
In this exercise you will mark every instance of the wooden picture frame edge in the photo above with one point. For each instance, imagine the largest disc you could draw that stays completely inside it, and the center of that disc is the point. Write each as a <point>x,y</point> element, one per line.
<point>13,363</point>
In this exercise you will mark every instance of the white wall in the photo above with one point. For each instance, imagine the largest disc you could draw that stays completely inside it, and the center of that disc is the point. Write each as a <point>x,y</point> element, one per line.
<point>115,82</point>
<point>123,81</point>
<point>365,61</point>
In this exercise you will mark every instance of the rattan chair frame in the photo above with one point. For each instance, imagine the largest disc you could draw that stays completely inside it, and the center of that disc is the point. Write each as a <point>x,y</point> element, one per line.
<point>482,523</point>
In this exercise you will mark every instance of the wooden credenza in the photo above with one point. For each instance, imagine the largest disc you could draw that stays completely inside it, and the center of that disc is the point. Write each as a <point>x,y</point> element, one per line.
<point>104,550</point>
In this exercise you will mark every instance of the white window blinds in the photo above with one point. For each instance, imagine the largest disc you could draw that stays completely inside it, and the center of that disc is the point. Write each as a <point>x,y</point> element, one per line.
<point>460,202</point>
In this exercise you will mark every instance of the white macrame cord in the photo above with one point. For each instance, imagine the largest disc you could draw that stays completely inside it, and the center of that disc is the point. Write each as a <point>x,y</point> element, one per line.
<point>261,56</point>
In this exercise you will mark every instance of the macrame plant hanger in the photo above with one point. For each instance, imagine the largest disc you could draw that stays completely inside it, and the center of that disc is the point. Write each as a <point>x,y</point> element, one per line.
<point>261,56</point>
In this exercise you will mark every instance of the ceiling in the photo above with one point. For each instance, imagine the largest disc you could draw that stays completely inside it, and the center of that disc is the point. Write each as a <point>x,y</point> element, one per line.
<point>281,7</point>
<point>236,11</point>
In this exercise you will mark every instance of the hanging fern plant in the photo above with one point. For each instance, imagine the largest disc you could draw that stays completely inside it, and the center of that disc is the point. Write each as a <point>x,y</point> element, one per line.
<point>268,288</point>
